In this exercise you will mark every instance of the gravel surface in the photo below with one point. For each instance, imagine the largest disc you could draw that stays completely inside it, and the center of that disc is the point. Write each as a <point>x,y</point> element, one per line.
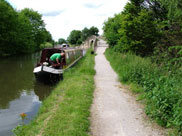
<point>115,111</point>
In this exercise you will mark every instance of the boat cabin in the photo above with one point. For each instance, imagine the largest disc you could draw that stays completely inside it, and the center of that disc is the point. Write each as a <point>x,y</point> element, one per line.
<point>71,55</point>
<point>45,71</point>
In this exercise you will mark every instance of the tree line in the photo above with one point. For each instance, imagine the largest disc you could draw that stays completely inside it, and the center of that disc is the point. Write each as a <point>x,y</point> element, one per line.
<point>148,28</point>
<point>24,31</point>
<point>21,31</point>
<point>76,37</point>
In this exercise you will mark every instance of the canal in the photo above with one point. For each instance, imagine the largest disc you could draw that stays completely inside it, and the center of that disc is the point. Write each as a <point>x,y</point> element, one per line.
<point>19,91</point>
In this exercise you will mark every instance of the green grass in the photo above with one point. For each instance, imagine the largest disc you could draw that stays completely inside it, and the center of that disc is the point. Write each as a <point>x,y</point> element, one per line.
<point>66,111</point>
<point>46,45</point>
<point>161,90</point>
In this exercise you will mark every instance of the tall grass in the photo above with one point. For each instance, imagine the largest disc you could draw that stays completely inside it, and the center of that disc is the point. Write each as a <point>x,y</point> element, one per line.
<point>162,89</point>
<point>66,111</point>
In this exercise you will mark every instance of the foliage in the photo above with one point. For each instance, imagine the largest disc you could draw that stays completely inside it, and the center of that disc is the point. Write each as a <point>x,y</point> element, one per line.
<point>66,111</point>
<point>174,9</point>
<point>22,31</point>
<point>85,33</point>
<point>25,35</point>
<point>133,30</point>
<point>162,88</point>
<point>89,32</point>
<point>48,36</point>
<point>111,27</point>
<point>137,34</point>
<point>46,45</point>
<point>159,11</point>
<point>148,28</point>
<point>8,28</point>
<point>61,41</point>
<point>74,37</point>
<point>94,31</point>
<point>37,26</point>
<point>168,50</point>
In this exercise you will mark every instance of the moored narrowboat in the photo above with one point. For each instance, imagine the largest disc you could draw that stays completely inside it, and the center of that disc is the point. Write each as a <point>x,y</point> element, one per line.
<point>47,73</point>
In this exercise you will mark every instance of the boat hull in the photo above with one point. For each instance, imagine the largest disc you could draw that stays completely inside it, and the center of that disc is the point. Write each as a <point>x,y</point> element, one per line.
<point>47,74</point>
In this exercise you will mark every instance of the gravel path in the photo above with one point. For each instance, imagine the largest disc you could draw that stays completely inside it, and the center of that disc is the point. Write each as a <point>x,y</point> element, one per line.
<point>114,111</point>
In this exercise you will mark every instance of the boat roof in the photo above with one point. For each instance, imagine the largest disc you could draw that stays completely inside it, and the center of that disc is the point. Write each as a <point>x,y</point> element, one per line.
<point>49,49</point>
<point>58,50</point>
<point>47,52</point>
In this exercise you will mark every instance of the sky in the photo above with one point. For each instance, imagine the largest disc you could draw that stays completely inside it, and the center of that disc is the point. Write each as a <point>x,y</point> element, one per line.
<point>61,17</point>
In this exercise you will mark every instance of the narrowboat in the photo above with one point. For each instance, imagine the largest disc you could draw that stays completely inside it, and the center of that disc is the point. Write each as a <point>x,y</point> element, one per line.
<point>47,73</point>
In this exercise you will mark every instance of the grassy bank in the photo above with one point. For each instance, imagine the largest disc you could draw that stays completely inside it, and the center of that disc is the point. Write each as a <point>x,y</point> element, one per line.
<point>161,89</point>
<point>66,111</point>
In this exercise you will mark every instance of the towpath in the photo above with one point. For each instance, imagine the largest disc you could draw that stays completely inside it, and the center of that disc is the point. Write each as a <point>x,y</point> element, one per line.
<point>114,111</point>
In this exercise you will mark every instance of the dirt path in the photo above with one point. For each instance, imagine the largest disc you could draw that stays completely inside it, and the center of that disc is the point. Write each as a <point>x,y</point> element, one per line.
<point>115,111</point>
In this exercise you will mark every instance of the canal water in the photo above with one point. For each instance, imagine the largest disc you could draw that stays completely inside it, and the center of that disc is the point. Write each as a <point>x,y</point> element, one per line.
<point>19,91</point>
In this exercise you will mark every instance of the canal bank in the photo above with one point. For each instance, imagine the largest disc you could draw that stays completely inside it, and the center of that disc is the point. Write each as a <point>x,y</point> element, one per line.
<point>66,110</point>
<point>19,92</point>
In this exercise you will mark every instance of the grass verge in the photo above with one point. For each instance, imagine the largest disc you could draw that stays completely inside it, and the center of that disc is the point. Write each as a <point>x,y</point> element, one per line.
<point>66,111</point>
<point>160,89</point>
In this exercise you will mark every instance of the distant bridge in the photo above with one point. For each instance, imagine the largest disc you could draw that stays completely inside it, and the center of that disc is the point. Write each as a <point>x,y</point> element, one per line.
<point>90,42</point>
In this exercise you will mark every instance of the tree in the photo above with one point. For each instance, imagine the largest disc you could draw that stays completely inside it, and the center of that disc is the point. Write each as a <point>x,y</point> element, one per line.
<point>29,31</point>
<point>37,24</point>
<point>85,34</point>
<point>74,37</point>
<point>8,28</point>
<point>133,30</point>
<point>61,41</point>
<point>174,9</point>
<point>26,42</point>
<point>168,50</point>
<point>48,36</point>
<point>21,32</point>
<point>89,32</point>
<point>138,34</point>
<point>94,31</point>
<point>111,27</point>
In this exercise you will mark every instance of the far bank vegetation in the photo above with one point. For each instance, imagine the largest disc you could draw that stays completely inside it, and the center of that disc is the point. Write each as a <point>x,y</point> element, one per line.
<point>21,31</point>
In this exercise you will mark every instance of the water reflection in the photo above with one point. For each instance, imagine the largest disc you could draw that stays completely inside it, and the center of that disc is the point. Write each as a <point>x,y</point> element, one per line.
<point>19,92</point>
<point>10,118</point>
<point>16,76</point>
<point>42,90</point>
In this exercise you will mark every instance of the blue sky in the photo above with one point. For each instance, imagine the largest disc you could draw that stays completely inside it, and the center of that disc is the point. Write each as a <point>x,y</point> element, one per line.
<point>63,16</point>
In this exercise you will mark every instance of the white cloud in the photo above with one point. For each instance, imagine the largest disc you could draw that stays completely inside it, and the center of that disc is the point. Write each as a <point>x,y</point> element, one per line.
<point>61,17</point>
<point>52,13</point>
